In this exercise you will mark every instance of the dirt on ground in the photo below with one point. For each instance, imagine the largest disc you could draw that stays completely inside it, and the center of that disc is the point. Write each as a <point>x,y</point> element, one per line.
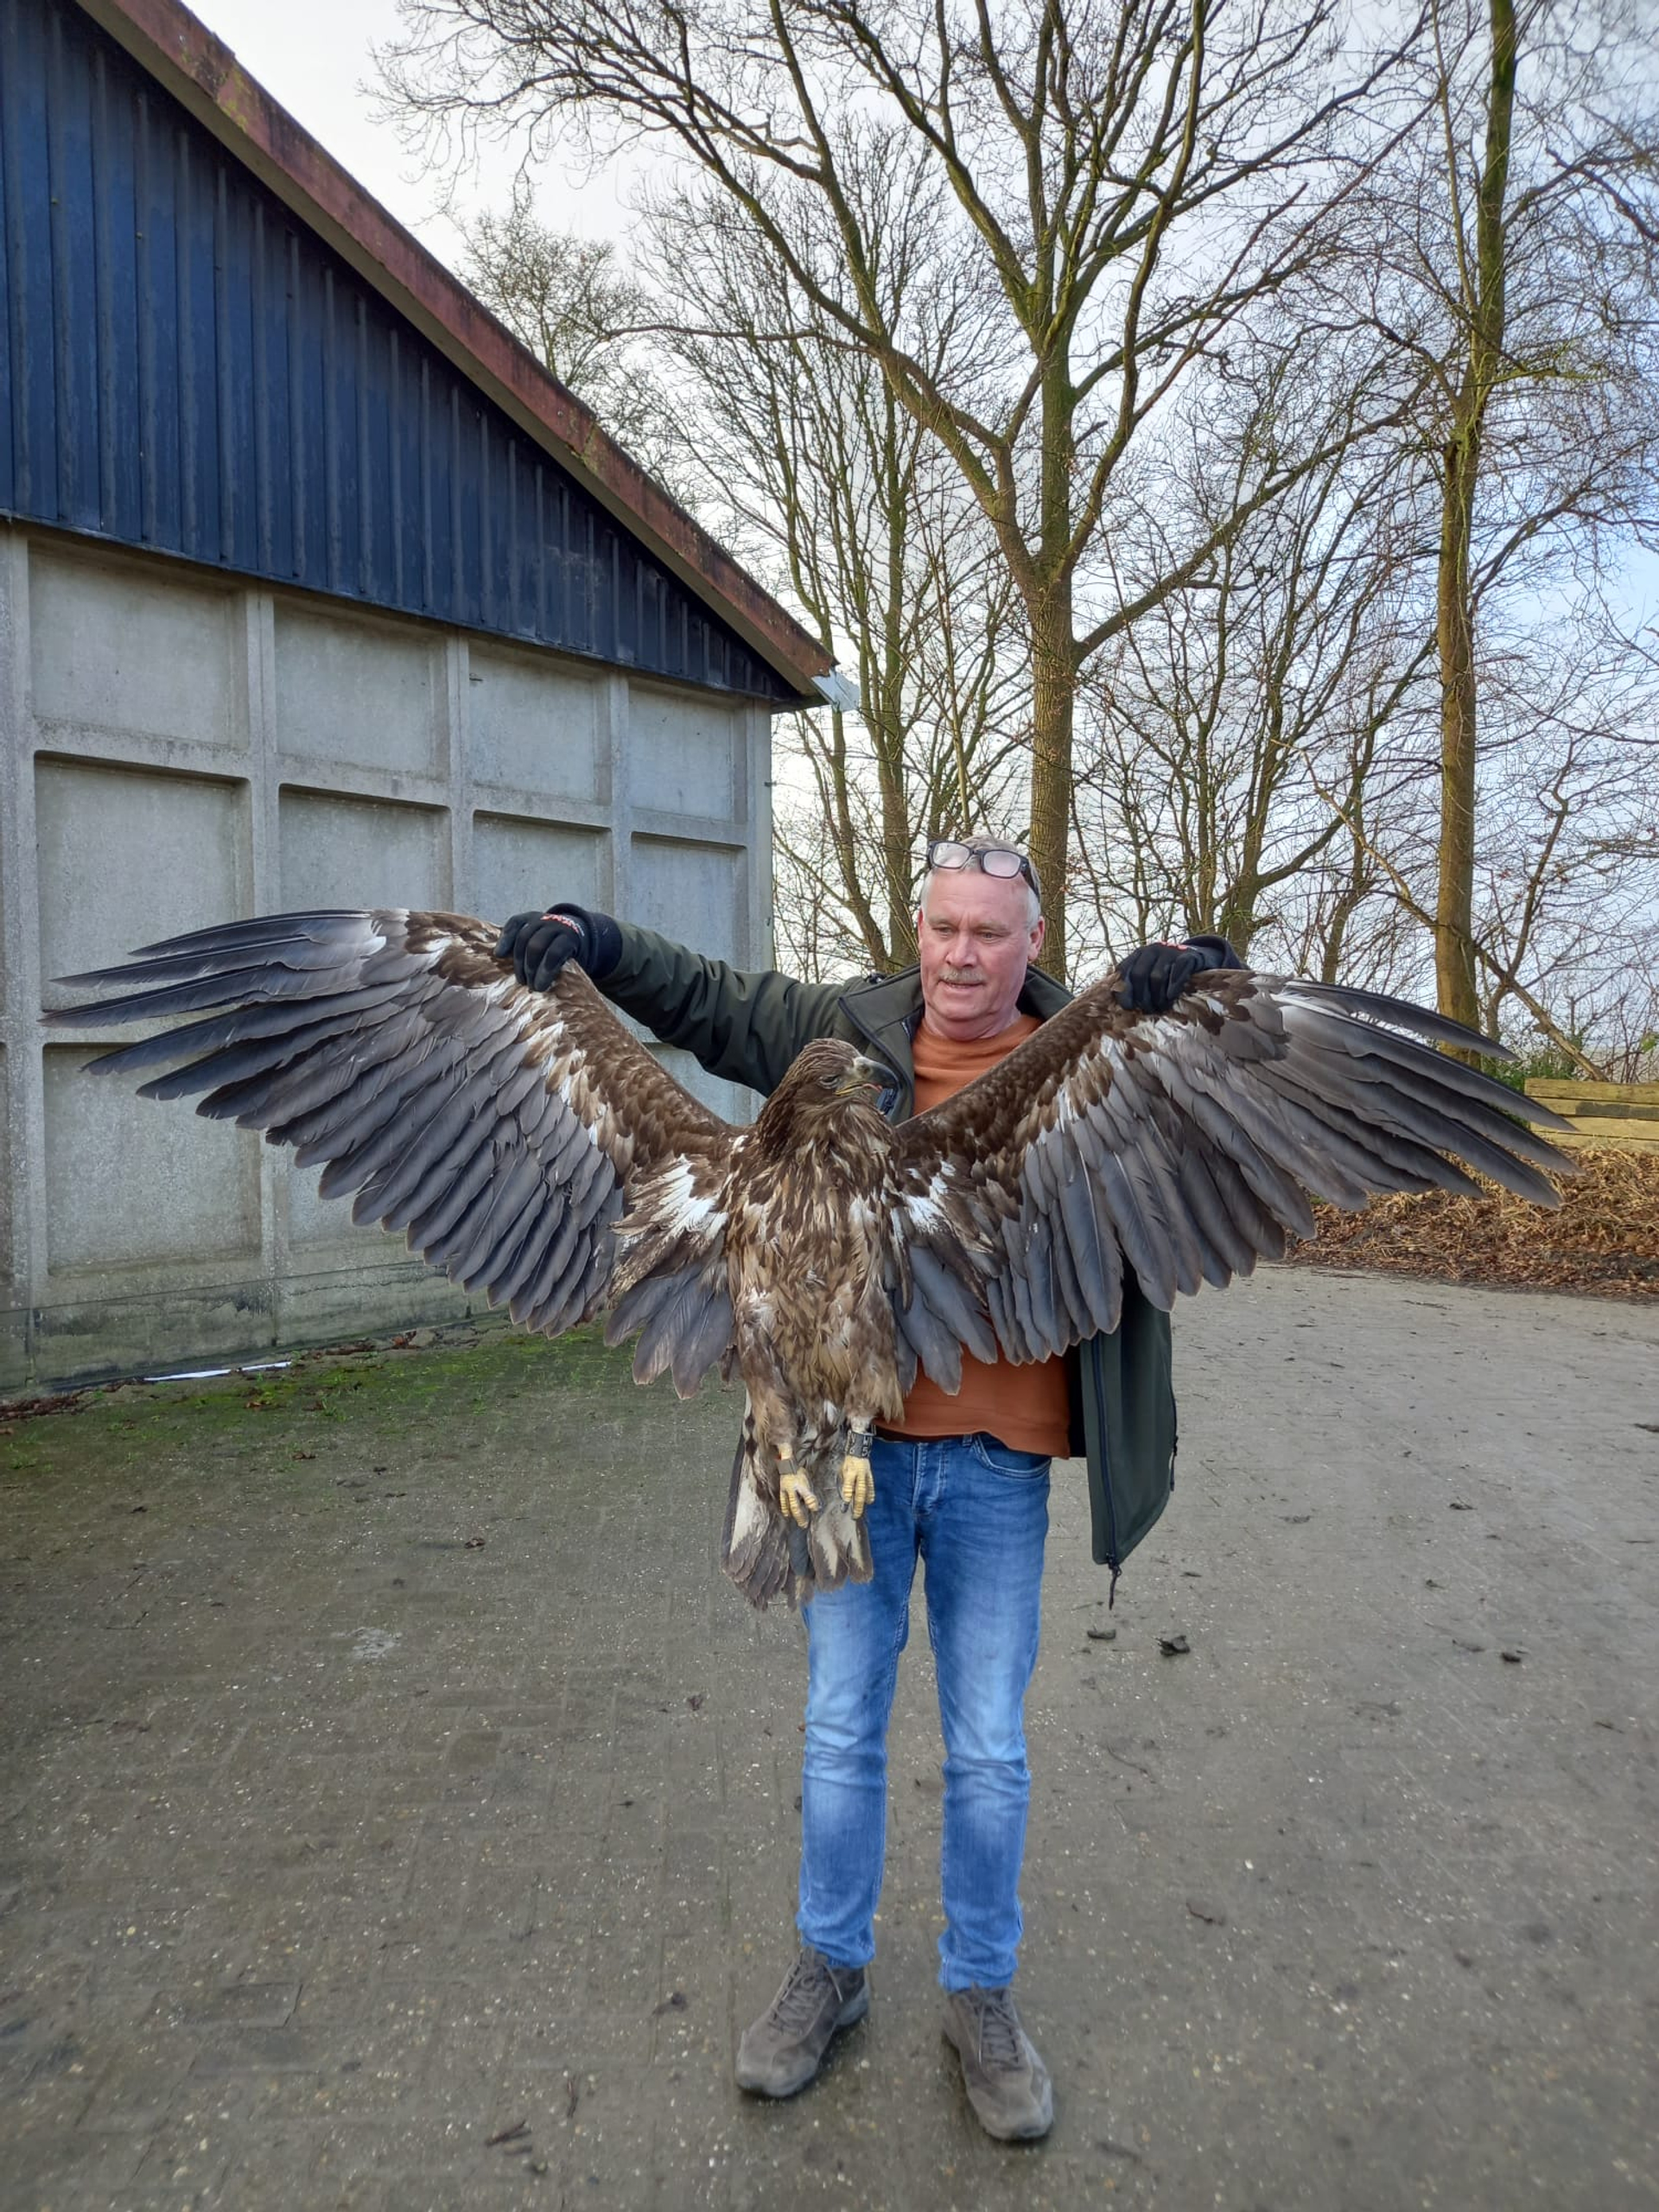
<point>398,1808</point>
<point>1604,1238</point>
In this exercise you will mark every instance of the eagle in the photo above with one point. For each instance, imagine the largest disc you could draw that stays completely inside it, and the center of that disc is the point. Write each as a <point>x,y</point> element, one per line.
<point>529,1146</point>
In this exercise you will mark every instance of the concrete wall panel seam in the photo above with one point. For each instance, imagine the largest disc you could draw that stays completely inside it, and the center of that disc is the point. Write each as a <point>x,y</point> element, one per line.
<point>265,885</point>
<point>25,979</point>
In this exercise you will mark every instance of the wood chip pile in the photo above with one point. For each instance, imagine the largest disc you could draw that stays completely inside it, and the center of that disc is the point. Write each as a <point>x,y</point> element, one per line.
<point>1604,1237</point>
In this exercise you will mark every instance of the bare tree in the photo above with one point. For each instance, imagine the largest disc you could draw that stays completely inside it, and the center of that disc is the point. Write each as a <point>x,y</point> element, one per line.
<point>1565,910</point>
<point>819,479</point>
<point>1567,884</point>
<point>1290,665</point>
<point>1516,265</point>
<point>1509,256</point>
<point>572,303</point>
<point>792,447</point>
<point>1117,189</point>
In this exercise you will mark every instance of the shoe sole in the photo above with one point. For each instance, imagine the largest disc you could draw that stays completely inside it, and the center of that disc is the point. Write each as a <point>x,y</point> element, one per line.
<point>849,2015</point>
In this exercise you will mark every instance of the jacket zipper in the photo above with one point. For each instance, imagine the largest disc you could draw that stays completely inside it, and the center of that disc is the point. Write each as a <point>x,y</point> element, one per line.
<point>906,1087</point>
<point>908,1094</point>
<point>1112,1559</point>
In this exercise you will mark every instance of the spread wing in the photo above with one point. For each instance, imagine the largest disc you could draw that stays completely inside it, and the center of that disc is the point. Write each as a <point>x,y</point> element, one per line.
<point>509,1133</point>
<point>1185,1146</point>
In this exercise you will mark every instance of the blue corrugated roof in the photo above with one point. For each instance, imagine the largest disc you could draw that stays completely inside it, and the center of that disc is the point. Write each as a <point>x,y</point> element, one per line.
<point>184,366</point>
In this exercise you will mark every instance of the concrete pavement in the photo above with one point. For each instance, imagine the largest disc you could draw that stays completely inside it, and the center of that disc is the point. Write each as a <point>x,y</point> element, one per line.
<point>397,1809</point>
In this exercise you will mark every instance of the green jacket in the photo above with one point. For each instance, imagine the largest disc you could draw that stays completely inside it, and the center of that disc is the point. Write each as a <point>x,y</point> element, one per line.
<point>749,1027</point>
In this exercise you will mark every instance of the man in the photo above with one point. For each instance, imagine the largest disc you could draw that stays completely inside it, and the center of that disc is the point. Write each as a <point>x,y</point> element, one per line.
<point>961,1482</point>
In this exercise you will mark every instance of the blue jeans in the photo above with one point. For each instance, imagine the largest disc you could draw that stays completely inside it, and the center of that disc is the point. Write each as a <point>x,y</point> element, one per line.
<point>976,1513</point>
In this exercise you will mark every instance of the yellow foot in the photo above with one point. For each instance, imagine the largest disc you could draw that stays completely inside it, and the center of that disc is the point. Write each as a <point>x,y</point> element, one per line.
<point>857,1483</point>
<point>796,1496</point>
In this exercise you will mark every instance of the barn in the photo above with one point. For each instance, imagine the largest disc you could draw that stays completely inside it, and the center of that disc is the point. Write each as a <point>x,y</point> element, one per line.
<point>315,589</point>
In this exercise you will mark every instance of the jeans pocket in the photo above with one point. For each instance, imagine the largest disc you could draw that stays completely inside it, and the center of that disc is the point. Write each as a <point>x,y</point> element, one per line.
<point>1002,1458</point>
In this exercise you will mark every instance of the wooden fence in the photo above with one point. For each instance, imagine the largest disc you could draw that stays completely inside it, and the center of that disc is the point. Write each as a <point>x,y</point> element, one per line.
<point>1622,1113</point>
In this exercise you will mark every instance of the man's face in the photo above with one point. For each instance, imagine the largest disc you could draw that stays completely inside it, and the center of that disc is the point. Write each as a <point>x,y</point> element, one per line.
<point>976,945</point>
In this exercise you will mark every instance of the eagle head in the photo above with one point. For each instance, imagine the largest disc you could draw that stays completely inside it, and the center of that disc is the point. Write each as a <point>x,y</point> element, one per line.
<point>830,1086</point>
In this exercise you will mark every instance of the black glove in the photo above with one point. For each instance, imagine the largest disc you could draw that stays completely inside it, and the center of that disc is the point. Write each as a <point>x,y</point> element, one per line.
<point>1154,976</point>
<point>538,944</point>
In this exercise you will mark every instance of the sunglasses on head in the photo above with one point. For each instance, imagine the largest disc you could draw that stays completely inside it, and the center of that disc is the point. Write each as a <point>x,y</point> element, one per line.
<point>1005,861</point>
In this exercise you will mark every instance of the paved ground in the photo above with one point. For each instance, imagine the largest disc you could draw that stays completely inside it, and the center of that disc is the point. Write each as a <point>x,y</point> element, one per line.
<point>398,1810</point>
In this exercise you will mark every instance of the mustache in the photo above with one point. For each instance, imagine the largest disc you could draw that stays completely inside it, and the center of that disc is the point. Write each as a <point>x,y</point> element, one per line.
<point>960,974</point>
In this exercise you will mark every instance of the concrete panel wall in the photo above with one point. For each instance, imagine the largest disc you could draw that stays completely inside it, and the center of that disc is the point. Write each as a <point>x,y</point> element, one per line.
<point>692,892</point>
<point>123,1188</point>
<point>533,728</point>
<point>518,864</point>
<point>350,691</point>
<point>690,763</point>
<point>127,855</point>
<point>361,852</point>
<point>135,651</point>
<point>176,750</point>
<point>6,1211</point>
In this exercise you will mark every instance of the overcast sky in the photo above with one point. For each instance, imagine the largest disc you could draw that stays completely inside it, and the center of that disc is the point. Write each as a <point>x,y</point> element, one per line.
<point>314,56</point>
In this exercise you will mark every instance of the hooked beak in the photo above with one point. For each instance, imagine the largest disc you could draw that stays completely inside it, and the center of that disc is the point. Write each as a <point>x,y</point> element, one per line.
<point>866,1074</point>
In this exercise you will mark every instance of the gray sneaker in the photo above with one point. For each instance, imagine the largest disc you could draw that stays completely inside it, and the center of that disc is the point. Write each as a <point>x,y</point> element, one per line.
<point>784,2047</point>
<point>1006,2082</point>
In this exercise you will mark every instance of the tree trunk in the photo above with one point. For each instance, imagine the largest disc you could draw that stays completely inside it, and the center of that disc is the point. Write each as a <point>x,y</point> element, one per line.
<point>895,479</point>
<point>1053,657</point>
<point>1236,919</point>
<point>1484,311</point>
<point>897,843</point>
<point>1455,940</point>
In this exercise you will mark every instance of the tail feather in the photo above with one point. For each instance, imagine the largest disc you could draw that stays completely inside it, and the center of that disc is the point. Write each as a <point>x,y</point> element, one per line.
<point>755,1544</point>
<point>766,1554</point>
<point>839,1543</point>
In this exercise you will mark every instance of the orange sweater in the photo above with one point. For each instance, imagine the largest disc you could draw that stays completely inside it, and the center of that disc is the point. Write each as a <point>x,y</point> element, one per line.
<point>1025,1408</point>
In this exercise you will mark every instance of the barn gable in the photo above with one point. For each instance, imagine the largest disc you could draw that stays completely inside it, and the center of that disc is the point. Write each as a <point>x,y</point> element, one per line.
<point>315,589</point>
<point>188,367</point>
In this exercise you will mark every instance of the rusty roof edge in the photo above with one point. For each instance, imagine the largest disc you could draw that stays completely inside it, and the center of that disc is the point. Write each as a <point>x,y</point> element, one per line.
<point>203,73</point>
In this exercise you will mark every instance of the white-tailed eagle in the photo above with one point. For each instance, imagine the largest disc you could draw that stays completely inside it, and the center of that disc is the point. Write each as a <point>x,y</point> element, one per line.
<point>531,1147</point>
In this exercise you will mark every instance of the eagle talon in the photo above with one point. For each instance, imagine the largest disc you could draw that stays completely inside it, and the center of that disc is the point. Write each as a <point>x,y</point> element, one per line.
<point>796,1496</point>
<point>857,1483</point>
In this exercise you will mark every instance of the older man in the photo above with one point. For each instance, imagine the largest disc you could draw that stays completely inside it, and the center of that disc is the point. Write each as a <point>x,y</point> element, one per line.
<point>961,1483</point>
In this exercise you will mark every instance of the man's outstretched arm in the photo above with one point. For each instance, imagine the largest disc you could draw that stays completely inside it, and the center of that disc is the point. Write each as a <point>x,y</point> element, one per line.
<point>745,1025</point>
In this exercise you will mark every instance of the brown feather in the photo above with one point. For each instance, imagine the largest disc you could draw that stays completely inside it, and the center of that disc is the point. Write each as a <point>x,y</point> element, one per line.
<point>527,1144</point>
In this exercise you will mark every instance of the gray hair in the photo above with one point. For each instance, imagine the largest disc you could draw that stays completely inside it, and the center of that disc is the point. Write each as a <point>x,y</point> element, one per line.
<point>1033,897</point>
